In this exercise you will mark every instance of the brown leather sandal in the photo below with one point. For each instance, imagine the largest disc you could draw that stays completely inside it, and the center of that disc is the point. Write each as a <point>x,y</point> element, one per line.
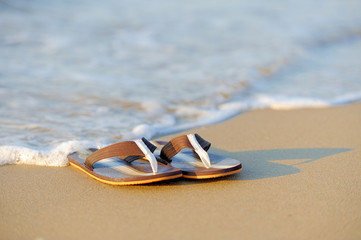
<point>196,163</point>
<point>124,163</point>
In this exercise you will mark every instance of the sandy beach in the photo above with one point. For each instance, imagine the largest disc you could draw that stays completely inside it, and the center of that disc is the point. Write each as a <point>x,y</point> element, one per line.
<point>300,180</point>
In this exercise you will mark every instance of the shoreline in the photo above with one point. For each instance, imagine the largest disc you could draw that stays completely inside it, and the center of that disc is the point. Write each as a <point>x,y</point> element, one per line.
<point>237,109</point>
<point>56,155</point>
<point>300,180</point>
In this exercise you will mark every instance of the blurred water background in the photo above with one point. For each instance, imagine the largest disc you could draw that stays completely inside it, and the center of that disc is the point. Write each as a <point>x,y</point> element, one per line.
<point>75,74</point>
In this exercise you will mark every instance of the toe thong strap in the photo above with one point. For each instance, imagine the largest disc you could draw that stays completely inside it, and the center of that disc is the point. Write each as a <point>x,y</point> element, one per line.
<point>192,141</point>
<point>123,149</point>
<point>131,159</point>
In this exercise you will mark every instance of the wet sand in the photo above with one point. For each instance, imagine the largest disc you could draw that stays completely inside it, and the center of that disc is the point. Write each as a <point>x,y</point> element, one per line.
<point>301,179</point>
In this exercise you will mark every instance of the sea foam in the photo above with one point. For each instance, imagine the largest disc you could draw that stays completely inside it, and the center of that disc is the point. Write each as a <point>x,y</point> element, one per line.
<point>56,157</point>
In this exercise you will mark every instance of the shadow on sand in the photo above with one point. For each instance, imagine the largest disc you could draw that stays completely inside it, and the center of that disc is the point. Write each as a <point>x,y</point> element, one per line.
<point>260,164</point>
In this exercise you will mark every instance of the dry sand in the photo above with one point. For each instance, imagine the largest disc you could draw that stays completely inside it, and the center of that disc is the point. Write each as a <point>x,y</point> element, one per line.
<point>301,180</point>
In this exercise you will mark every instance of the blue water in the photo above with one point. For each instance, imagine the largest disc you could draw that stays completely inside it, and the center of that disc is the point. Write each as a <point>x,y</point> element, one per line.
<point>75,74</point>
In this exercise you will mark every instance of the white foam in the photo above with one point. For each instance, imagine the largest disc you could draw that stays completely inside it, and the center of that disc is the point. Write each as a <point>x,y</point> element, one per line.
<point>56,157</point>
<point>347,98</point>
<point>143,130</point>
<point>284,103</point>
<point>231,109</point>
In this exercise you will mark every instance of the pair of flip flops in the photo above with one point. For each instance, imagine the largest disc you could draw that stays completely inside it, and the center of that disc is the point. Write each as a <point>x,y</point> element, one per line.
<point>142,161</point>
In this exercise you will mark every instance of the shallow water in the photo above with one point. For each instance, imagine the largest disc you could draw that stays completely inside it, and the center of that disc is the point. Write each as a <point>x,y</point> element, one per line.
<point>75,74</point>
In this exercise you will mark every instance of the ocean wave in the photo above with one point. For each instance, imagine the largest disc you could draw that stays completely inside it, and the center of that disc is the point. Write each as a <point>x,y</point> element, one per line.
<point>110,71</point>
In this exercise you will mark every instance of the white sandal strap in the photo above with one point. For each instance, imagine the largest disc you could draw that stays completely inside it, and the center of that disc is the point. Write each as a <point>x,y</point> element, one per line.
<point>203,155</point>
<point>148,155</point>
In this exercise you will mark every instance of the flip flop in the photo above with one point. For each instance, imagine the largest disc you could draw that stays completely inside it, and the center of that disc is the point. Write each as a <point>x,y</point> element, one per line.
<point>195,162</point>
<point>124,163</point>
